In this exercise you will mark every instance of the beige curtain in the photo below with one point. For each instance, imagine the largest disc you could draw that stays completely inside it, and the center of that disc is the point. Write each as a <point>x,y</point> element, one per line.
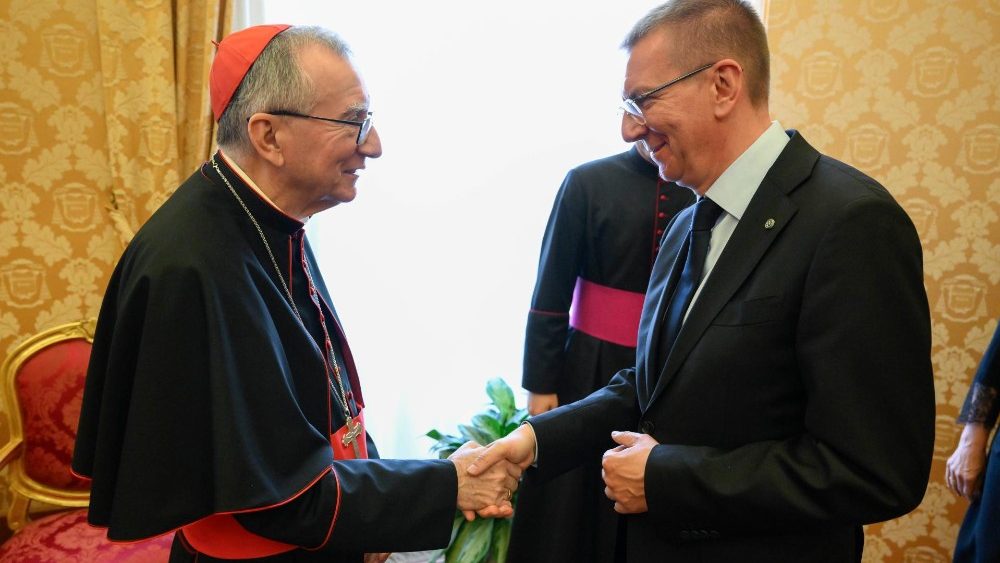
<point>908,91</point>
<point>103,111</point>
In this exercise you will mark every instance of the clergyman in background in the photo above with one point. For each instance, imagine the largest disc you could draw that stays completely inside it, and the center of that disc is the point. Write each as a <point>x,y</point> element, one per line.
<point>598,251</point>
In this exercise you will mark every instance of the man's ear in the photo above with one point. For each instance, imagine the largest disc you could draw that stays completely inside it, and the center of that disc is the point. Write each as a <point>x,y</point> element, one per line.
<point>262,128</point>
<point>727,86</point>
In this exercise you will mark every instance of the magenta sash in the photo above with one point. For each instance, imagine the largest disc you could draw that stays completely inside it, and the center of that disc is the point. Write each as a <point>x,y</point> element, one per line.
<point>606,313</point>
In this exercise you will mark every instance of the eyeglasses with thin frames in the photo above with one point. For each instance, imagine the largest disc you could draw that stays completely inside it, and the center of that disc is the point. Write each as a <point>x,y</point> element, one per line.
<point>365,126</point>
<point>633,106</point>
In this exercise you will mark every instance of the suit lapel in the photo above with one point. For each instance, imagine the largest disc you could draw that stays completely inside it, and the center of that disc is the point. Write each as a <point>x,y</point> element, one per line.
<point>747,245</point>
<point>661,286</point>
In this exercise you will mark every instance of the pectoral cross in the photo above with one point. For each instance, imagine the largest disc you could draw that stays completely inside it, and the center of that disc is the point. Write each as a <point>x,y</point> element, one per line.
<point>350,438</point>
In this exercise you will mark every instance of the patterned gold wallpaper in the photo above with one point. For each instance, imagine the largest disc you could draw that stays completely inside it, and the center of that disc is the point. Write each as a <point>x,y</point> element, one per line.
<point>908,92</point>
<point>103,109</point>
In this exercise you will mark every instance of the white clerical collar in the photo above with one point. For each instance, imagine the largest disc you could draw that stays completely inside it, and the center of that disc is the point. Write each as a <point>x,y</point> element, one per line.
<point>736,186</point>
<point>246,179</point>
<point>253,185</point>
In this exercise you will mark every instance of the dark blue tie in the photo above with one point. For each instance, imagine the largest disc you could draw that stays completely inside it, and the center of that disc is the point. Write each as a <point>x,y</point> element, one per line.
<point>693,254</point>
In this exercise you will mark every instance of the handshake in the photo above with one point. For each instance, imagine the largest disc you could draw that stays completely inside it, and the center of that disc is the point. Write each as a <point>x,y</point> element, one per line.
<point>488,476</point>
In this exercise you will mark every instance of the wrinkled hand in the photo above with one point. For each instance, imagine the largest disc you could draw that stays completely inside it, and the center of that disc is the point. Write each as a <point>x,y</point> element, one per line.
<point>516,451</point>
<point>624,471</point>
<point>487,492</point>
<point>376,557</point>
<point>541,402</point>
<point>964,471</point>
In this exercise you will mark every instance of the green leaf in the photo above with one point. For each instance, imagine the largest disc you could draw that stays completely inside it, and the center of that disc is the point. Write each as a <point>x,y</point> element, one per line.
<point>501,540</point>
<point>519,416</point>
<point>445,450</point>
<point>445,442</point>
<point>448,442</point>
<point>472,544</point>
<point>474,433</point>
<point>456,525</point>
<point>453,548</point>
<point>442,437</point>
<point>488,425</point>
<point>518,419</point>
<point>501,395</point>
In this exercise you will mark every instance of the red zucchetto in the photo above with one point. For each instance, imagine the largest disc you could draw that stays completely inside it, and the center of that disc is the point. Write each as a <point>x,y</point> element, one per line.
<point>234,56</point>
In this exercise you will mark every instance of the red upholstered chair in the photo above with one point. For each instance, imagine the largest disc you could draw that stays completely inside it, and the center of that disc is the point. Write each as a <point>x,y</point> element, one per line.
<point>42,390</point>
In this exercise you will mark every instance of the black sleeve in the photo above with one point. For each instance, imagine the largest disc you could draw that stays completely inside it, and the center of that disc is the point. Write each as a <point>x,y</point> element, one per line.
<point>981,404</point>
<point>574,433</point>
<point>305,520</point>
<point>558,266</point>
<point>367,506</point>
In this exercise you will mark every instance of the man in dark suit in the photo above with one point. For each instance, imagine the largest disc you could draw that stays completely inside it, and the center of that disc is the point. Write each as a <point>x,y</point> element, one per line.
<point>782,395</point>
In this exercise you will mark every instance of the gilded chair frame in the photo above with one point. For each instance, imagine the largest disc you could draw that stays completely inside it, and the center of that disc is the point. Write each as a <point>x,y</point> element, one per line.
<point>23,488</point>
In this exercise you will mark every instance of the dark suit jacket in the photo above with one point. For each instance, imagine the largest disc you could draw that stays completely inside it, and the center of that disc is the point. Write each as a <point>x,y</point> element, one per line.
<point>798,401</point>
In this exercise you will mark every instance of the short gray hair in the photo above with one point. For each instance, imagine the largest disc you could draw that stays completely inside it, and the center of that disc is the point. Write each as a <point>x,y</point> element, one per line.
<point>706,31</point>
<point>274,82</point>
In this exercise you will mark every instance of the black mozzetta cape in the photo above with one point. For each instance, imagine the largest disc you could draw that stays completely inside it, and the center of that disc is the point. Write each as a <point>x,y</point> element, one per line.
<point>205,395</point>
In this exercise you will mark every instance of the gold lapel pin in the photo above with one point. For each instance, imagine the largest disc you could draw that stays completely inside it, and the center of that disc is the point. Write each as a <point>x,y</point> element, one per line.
<point>769,224</point>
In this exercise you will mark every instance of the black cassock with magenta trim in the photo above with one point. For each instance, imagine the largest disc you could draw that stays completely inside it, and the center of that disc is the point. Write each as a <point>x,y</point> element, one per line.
<point>597,254</point>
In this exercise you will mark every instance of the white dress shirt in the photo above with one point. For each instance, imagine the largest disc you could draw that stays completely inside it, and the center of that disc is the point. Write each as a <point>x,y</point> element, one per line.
<point>735,188</point>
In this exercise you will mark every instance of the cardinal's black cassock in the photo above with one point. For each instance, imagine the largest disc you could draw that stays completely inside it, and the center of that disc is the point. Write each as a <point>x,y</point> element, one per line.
<point>216,396</point>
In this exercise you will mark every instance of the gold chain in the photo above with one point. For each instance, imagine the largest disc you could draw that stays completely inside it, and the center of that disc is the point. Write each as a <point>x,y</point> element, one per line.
<point>333,360</point>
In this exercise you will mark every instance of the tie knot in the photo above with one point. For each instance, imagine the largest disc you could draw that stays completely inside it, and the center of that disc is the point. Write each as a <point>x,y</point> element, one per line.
<point>706,213</point>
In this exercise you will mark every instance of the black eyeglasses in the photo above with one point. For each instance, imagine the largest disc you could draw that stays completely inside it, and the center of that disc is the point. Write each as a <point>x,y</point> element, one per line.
<point>632,106</point>
<point>365,126</point>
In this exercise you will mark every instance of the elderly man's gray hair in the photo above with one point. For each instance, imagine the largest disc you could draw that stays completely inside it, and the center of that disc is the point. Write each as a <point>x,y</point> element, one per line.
<point>274,82</point>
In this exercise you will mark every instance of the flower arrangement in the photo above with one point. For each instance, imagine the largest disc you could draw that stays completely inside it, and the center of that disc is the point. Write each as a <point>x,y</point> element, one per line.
<point>483,540</point>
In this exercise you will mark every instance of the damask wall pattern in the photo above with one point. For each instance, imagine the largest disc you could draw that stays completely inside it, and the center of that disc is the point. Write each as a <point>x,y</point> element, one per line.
<point>908,91</point>
<point>103,110</point>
